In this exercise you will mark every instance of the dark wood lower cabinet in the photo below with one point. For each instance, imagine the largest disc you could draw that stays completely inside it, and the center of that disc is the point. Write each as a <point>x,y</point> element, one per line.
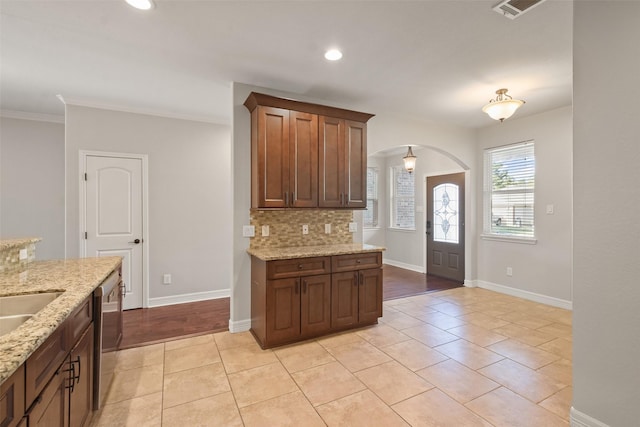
<point>81,374</point>
<point>356,297</point>
<point>290,301</point>
<point>51,408</point>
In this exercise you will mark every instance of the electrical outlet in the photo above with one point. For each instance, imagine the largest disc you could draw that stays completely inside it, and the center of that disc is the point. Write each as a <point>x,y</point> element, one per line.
<point>549,209</point>
<point>166,279</point>
<point>265,231</point>
<point>305,229</point>
<point>23,254</point>
<point>248,231</point>
<point>327,229</point>
<point>509,271</point>
<point>353,227</point>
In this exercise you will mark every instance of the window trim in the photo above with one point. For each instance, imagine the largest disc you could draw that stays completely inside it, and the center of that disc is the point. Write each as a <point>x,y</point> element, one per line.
<point>488,183</point>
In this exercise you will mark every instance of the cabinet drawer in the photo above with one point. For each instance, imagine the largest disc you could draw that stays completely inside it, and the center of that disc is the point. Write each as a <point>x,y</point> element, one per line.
<point>356,261</point>
<point>80,319</point>
<point>297,267</point>
<point>45,361</point>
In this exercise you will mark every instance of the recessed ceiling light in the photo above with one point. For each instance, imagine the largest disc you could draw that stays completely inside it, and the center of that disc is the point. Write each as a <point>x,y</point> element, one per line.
<point>333,54</point>
<point>141,4</point>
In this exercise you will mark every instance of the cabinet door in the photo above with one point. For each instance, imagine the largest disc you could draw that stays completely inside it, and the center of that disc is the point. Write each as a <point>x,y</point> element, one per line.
<point>81,390</point>
<point>344,299</point>
<point>12,399</point>
<point>356,164</point>
<point>303,160</point>
<point>331,163</point>
<point>283,310</point>
<point>369,295</point>
<point>315,304</point>
<point>51,409</point>
<point>271,160</point>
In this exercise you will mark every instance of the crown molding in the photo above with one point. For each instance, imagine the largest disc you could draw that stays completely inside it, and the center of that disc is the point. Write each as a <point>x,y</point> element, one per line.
<point>39,117</point>
<point>83,102</point>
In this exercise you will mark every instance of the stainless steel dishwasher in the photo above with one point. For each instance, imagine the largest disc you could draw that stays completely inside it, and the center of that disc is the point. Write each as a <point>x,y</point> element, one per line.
<point>108,333</point>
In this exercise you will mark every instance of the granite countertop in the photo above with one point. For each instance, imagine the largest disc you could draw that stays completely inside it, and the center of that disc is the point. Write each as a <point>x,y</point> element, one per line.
<point>270,254</point>
<point>75,279</point>
<point>14,243</point>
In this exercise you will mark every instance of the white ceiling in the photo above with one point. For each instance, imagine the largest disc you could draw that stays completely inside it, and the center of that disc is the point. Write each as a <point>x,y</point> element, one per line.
<point>434,60</point>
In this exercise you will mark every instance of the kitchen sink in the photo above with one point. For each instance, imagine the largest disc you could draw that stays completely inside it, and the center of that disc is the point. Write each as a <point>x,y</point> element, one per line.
<point>17,309</point>
<point>9,323</point>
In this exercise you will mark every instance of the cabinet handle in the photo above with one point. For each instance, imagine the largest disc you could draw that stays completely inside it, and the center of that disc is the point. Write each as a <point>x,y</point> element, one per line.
<point>355,277</point>
<point>341,199</point>
<point>286,198</point>
<point>297,285</point>
<point>361,279</point>
<point>304,286</point>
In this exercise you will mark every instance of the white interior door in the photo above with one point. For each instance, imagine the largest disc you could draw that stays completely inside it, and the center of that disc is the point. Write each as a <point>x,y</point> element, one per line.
<point>114,217</point>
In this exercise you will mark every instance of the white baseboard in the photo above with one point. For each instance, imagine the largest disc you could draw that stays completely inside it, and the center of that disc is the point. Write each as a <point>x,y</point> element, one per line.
<point>579,419</point>
<point>470,283</point>
<point>418,268</point>
<point>239,326</point>
<point>532,296</point>
<point>184,298</point>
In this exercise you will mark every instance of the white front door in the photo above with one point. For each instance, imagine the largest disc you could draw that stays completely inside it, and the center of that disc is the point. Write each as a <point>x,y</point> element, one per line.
<point>113,217</point>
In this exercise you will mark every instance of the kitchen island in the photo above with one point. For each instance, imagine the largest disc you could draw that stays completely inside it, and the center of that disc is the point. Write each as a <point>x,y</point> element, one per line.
<point>303,292</point>
<point>47,362</point>
<point>74,279</point>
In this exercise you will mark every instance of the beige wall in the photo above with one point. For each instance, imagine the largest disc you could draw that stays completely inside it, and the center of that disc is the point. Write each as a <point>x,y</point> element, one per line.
<point>189,193</point>
<point>606,247</point>
<point>32,183</point>
<point>543,269</point>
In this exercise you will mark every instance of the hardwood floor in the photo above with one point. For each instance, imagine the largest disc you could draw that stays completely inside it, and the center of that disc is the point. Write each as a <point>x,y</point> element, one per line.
<point>399,283</point>
<point>151,325</point>
<point>158,324</point>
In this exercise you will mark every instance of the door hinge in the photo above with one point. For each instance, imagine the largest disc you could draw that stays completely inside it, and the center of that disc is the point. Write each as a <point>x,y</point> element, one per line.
<point>85,176</point>
<point>85,235</point>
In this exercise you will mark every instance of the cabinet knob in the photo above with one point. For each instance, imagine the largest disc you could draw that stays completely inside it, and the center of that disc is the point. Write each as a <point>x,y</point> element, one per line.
<point>299,266</point>
<point>357,261</point>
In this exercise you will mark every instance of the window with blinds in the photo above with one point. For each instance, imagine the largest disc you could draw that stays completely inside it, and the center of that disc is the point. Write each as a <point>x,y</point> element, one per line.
<point>509,188</point>
<point>402,199</point>
<point>370,216</point>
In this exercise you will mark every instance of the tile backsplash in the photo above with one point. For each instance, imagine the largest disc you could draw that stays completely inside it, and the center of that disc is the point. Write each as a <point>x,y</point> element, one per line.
<point>10,253</point>
<point>285,227</point>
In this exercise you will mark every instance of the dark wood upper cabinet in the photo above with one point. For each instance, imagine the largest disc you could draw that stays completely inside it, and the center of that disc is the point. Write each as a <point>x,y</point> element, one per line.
<point>306,155</point>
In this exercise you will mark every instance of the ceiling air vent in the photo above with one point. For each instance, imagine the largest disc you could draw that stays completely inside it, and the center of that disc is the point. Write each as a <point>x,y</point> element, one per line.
<point>514,8</point>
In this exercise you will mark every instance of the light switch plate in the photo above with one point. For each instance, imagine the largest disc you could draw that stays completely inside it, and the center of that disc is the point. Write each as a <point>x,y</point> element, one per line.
<point>23,254</point>
<point>166,279</point>
<point>353,227</point>
<point>549,209</point>
<point>248,231</point>
<point>265,230</point>
<point>327,229</point>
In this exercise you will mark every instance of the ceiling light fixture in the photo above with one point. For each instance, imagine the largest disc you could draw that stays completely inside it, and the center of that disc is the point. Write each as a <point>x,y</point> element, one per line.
<point>141,4</point>
<point>333,54</point>
<point>409,161</point>
<point>503,106</point>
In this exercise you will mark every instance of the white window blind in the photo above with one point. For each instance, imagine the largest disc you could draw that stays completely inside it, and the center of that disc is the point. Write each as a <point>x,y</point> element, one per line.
<point>370,216</point>
<point>402,199</point>
<point>509,188</point>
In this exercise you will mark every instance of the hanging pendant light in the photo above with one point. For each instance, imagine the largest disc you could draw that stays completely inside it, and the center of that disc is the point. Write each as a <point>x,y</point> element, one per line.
<point>409,161</point>
<point>503,106</point>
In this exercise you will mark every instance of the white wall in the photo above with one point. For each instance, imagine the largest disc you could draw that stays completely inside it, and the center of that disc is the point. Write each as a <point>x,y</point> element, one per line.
<point>606,248</point>
<point>543,268</point>
<point>189,192</point>
<point>32,183</point>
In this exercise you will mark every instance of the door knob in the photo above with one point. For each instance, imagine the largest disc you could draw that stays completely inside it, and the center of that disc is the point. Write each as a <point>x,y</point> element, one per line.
<point>136,241</point>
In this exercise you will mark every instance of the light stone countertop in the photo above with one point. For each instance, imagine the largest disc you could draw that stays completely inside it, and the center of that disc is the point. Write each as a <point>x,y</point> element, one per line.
<point>15,243</point>
<point>76,279</point>
<point>271,254</point>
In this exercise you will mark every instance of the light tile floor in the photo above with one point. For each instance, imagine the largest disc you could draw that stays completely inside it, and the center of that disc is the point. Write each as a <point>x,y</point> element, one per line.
<point>461,357</point>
